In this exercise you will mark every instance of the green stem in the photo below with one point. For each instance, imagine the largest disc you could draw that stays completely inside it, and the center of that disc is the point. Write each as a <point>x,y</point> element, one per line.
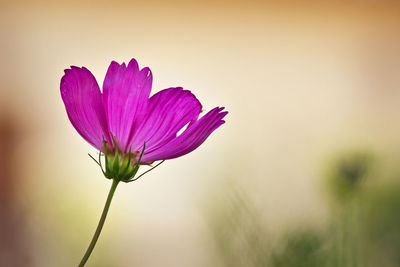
<point>100,225</point>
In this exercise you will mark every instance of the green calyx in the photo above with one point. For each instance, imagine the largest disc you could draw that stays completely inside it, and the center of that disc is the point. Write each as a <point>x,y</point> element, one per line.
<point>119,166</point>
<point>122,166</point>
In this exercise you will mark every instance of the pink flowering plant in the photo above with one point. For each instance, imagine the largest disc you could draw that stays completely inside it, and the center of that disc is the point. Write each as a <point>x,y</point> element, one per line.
<point>130,128</point>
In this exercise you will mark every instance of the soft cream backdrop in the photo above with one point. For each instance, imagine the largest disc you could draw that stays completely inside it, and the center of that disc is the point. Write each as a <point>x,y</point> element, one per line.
<point>301,80</point>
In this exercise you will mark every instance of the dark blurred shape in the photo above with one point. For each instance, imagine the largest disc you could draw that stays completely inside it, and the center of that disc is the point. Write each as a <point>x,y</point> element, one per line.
<point>14,244</point>
<point>346,177</point>
<point>347,174</point>
<point>304,248</point>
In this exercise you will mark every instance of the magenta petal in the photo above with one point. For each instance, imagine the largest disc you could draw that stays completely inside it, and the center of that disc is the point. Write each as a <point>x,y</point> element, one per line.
<point>168,111</point>
<point>190,139</point>
<point>82,98</point>
<point>126,90</point>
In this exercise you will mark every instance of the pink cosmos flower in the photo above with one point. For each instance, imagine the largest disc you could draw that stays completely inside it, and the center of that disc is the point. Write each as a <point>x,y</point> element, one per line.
<point>124,118</point>
<point>128,126</point>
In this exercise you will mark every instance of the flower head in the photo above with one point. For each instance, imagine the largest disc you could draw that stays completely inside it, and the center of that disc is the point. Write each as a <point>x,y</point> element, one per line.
<point>127,125</point>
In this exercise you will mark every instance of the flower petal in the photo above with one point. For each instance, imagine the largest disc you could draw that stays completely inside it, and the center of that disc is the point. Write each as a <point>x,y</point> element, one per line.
<point>126,90</point>
<point>168,111</point>
<point>82,98</point>
<point>196,133</point>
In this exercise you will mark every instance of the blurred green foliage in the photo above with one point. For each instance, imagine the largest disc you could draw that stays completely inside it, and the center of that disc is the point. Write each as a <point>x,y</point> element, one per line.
<point>381,218</point>
<point>303,248</point>
<point>363,230</point>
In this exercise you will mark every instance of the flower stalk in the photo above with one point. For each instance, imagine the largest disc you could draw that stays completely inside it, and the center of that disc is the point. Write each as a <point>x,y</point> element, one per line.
<point>129,127</point>
<point>100,225</point>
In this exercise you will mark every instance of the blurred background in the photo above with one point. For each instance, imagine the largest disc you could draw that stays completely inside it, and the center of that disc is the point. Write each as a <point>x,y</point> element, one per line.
<point>304,173</point>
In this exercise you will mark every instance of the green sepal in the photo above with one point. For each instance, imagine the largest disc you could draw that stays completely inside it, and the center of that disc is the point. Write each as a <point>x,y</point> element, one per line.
<point>106,159</point>
<point>120,166</point>
<point>116,159</point>
<point>131,180</point>
<point>98,163</point>
<point>129,160</point>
